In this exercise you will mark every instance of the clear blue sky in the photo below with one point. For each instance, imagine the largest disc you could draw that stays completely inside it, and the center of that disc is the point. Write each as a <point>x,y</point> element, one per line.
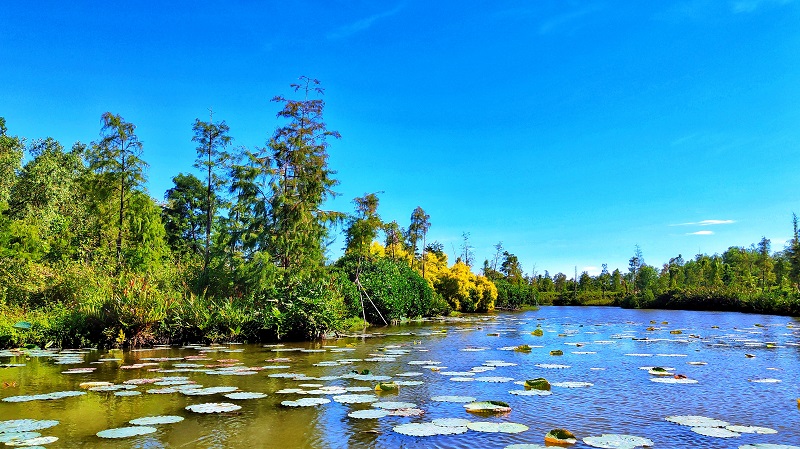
<point>569,130</point>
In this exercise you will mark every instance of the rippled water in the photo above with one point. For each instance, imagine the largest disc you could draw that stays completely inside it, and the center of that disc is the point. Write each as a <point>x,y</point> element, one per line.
<point>602,346</point>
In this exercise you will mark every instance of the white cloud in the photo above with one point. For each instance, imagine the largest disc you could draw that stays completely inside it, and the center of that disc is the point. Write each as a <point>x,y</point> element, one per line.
<point>701,233</point>
<point>593,271</point>
<point>706,223</point>
<point>363,24</point>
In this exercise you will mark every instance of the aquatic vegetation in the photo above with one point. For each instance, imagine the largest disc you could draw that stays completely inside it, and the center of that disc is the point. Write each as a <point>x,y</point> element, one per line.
<point>26,425</point>
<point>428,429</point>
<point>155,420</point>
<point>539,383</point>
<point>36,441</point>
<point>126,432</point>
<point>556,352</point>
<point>44,397</point>
<point>213,407</point>
<point>495,427</point>
<point>368,414</point>
<point>305,402</point>
<point>560,437</point>
<point>488,407</point>
<point>618,441</point>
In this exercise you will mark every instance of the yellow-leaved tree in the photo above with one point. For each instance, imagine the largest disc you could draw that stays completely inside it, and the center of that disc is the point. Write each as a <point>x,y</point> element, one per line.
<point>465,291</point>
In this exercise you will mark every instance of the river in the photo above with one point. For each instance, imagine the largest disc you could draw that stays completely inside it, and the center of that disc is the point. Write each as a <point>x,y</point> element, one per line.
<point>739,368</point>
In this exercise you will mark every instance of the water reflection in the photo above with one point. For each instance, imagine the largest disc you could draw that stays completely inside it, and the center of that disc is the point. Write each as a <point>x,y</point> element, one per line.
<point>603,346</point>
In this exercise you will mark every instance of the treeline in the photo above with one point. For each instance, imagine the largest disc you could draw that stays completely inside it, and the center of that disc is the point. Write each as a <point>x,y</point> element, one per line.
<point>744,279</point>
<point>235,251</point>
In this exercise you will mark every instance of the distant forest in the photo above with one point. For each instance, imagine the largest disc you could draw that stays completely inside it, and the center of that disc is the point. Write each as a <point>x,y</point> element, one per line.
<point>235,251</point>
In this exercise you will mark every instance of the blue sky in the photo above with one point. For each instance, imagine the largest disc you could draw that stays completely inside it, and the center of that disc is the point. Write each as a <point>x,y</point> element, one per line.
<point>569,130</point>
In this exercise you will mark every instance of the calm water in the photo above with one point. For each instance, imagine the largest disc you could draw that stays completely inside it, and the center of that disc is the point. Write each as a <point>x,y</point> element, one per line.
<point>601,346</point>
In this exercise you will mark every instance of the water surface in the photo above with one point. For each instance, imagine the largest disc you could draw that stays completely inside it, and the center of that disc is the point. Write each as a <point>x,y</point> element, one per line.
<point>602,346</point>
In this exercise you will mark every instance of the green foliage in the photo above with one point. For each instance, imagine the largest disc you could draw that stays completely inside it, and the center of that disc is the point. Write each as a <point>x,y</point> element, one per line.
<point>393,287</point>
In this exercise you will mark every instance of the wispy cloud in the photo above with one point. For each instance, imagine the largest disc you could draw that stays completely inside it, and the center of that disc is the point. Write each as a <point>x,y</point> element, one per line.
<point>706,223</point>
<point>363,24</point>
<point>701,233</point>
<point>745,6</point>
<point>572,18</point>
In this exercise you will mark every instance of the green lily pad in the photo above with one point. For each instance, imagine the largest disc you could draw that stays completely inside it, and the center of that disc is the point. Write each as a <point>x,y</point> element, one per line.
<point>530,392</point>
<point>427,429</point>
<point>451,422</point>
<point>617,441</point>
<point>487,407</point>
<point>154,420</point>
<point>495,427</point>
<point>390,405</point>
<point>126,432</point>
<point>37,442</point>
<point>539,383</point>
<point>560,437</point>
<point>18,436</point>
<point>306,402</point>
<point>719,432</point>
<point>213,407</point>
<point>355,398</point>
<point>245,395</point>
<point>752,429</point>
<point>26,425</point>
<point>368,414</point>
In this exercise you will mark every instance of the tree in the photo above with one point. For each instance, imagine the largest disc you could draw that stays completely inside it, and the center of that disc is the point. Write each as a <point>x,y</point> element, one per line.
<point>633,265</point>
<point>212,138</point>
<point>418,229</point>
<point>363,226</point>
<point>793,253</point>
<point>116,159</point>
<point>302,180</point>
<point>511,268</point>
<point>394,239</point>
<point>11,151</point>
<point>466,248</point>
<point>183,214</point>
<point>765,263</point>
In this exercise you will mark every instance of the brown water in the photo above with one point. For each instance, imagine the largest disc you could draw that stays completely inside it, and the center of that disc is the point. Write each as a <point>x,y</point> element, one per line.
<point>605,347</point>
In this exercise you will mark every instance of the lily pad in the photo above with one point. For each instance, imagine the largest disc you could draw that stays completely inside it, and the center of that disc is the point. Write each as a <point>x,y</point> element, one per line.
<point>696,421</point>
<point>213,407</point>
<point>752,429</point>
<point>245,395</point>
<point>617,441</point>
<point>560,437</point>
<point>368,414</point>
<point>26,425</point>
<point>154,420</point>
<point>495,427</point>
<point>719,432</point>
<point>539,383</point>
<point>451,422</point>
<point>386,386</point>
<point>572,384</point>
<point>487,407</point>
<point>355,398</point>
<point>427,429</point>
<point>390,405</point>
<point>768,446</point>
<point>126,432</point>
<point>38,441</point>
<point>306,402</point>
<point>18,436</point>
<point>530,392</point>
